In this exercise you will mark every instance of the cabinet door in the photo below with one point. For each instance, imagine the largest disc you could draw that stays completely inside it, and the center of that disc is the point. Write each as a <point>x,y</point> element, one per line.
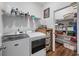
<point>59,15</point>
<point>16,48</point>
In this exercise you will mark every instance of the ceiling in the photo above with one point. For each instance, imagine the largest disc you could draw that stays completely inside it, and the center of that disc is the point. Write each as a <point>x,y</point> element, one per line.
<point>42,3</point>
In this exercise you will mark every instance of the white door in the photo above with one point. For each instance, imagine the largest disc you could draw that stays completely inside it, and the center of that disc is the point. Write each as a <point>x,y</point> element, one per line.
<point>16,48</point>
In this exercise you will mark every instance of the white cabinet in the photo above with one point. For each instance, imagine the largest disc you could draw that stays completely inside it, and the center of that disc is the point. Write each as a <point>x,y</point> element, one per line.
<point>59,15</point>
<point>16,48</point>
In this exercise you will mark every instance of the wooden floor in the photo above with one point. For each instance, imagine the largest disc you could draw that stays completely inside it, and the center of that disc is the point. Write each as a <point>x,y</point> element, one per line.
<point>61,51</point>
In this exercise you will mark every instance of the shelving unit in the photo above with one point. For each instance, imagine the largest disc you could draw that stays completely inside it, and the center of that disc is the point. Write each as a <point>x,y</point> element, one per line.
<point>65,30</point>
<point>49,39</point>
<point>48,32</point>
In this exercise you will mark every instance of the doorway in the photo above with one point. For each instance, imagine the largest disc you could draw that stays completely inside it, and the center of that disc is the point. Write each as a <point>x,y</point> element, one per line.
<point>66,30</point>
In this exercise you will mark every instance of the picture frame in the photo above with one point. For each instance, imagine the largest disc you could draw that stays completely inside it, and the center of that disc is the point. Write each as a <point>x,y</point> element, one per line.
<point>47,13</point>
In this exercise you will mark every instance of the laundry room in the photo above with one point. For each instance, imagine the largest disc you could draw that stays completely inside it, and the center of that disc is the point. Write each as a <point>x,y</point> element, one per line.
<point>38,29</point>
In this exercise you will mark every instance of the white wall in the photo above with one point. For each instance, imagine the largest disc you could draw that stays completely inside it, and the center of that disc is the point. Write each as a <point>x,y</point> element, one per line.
<point>53,6</point>
<point>31,7</point>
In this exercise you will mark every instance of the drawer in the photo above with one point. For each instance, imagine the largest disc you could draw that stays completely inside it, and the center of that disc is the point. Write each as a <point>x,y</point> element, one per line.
<point>66,45</point>
<point>71,47</point>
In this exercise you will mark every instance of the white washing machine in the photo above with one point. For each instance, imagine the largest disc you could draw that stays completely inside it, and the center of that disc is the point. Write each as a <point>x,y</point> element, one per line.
<point>30,44</point>
<point>15,45</point>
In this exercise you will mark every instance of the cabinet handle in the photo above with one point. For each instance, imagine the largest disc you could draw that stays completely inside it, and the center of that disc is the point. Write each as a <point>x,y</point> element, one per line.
<point>16,44</point>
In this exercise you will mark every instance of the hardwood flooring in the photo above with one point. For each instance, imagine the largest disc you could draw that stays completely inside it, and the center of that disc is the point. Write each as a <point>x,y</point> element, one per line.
<point>61,51</point>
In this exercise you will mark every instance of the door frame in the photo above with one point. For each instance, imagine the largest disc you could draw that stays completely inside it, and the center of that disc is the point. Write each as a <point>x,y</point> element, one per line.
<point>54,24</point>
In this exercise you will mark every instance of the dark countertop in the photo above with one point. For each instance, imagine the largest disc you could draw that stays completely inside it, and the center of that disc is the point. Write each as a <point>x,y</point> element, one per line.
<point>6,38</point>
